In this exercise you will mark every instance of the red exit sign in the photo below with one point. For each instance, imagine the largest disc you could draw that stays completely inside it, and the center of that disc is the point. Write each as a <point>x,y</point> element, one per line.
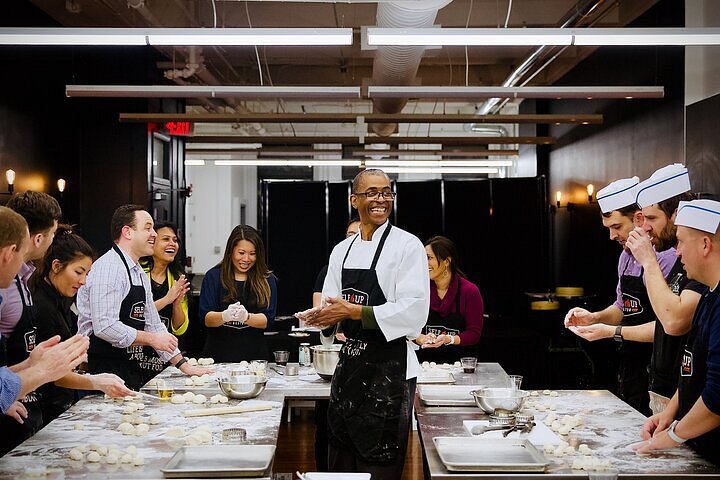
<point>178,128</point>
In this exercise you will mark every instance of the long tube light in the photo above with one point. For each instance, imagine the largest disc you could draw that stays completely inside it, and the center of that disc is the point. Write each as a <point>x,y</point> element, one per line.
<point>542,36</point>
<point>438,163</point>
<point>289,163</point>
<point>456,170</point>
<point>195,91</point>
<point>177,36</point>
<point>515,92</point>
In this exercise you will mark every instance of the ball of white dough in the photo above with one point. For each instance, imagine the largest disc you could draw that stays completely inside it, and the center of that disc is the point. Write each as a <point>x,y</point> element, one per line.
<point>200,398</point>
<point>223,398</point>
<point>177,399</point>
<point>175,431</point>
<point>189,382</point>
<point>111,459</point>
<point>127,458</point>
<point>93,457</point>
<point>192,361</point>
<point>138,460</point>
<point>76,454</point>
<point>189,396</point>
<point>132,449</point>
<point>142,429</point>
<point>154,420</point>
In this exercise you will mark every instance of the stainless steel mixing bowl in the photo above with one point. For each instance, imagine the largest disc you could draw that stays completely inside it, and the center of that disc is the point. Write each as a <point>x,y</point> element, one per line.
<point>242,386</point>
<point>325,359</point>
<point>490,399</point>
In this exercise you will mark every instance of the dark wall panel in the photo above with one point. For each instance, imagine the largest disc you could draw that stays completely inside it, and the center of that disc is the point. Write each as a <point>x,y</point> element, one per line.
<point>419,208</point>
<point>295,233</point>
<point>339,213</point>
<point>703,145</point>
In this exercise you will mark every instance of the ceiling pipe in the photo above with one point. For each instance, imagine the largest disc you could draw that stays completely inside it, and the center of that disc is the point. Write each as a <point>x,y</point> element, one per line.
<point>398,65</point>
<point>140,7</point>
<point>194,62</point>
<point>572,19</point>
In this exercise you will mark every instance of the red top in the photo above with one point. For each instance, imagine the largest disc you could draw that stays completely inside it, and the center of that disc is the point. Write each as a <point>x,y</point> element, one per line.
<point>471,307</point>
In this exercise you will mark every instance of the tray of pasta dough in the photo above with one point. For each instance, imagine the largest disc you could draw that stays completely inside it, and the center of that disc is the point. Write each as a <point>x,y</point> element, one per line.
<point>463,454</point>
<point>220,461</point>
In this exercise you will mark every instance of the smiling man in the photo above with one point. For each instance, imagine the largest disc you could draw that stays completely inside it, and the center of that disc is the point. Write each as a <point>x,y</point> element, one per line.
<point>377,285</point>
<point>117,311</point>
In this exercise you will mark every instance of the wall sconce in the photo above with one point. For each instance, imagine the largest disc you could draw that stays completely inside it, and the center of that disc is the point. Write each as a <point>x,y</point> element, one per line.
<point>61,183</point>
<point>10,176</point>
<point>558,197</point>
<point>590,191</point>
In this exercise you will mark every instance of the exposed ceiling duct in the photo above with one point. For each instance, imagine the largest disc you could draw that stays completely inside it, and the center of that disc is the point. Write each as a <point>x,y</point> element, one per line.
<point>399,65</point>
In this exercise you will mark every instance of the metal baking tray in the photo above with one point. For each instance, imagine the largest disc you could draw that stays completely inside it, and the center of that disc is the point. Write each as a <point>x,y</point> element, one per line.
<point>219,461</point>
<point>447,395</point>
<point>435,377</point>
<point>467,454</point>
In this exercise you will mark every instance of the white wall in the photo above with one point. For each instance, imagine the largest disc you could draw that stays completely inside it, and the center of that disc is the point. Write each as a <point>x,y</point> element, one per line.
<point>702,64</point>
<point>214,209</point>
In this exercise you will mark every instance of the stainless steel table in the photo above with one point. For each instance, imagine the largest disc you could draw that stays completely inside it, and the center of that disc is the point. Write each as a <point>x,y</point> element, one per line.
<point>609,427</point>
<point>100,418</point>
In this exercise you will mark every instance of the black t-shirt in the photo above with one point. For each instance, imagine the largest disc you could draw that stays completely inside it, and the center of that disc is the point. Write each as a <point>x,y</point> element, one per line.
<point>159,290</point>
<point>668,349</point>
<point>320,280</point>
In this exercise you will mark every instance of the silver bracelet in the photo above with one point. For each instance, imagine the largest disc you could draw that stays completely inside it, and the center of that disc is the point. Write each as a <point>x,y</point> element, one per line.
<point>674,436</point>
<point>452,339</point>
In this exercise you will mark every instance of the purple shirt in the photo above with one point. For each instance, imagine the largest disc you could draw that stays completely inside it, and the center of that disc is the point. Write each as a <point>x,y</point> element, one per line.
<point>10,384</point>
<point>11,307</point>
<point>627,265</point>
<point>471,307</point>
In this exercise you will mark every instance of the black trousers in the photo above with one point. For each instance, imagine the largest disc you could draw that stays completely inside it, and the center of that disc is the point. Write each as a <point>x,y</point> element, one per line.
<point>340,460</point>
<point>321,435</point>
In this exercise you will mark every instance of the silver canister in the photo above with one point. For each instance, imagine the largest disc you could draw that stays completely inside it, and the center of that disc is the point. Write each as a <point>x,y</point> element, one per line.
<point>305,357</point>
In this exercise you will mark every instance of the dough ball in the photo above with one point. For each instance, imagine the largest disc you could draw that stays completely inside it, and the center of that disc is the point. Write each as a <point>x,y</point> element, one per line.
<point>243,364</point>
<point>554,393</point>
<point>210,361</point>
<point>130,408</point>
<point>189,382</point>
<point>189,396</point>
<point>76,454</point>
<point>569,450</point>
<point>93,447</point>
<point>140,406</point>
<point>123,428</point>
<point>546,392</point>
<point>137,419</point>
<point>138,460</point>
<point>176,431</point>
<point>549,449</point>
<point>214,399</point>
<point>192,361</point>
<point>551,417</point>
<point>102,450</point>
<point>177,399</point>
<point>132,449</point>
<point>126,417</point>
<point>114,451</point>
<point>223,399</point>
<point>154,420</point>
<point>457,365</point>
<point>534,393</point>
<point>200,398</point>
<point>127,458</point>
<point>193,440</point>
<point>564,430</point>
<point>584,449</point>
<point>142,429</point>
<point>205,376</point>
<point>198,380</point>
<point>79,426</point>
<point>93,457</point>
<point>111,459</point>
<point>129,398</point>
<point>425,364</point>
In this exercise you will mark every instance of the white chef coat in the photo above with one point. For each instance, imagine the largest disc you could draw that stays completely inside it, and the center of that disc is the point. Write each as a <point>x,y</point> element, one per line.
<point>402,272</point>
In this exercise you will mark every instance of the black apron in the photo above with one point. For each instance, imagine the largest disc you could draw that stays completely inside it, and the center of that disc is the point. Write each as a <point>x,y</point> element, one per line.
<point>135,364</point>
<point>17,348</point>
<point>452,324</point>
<point>369,393</point>
<point>693,372</point>
<point>668,349</point>
<point>635,356</point>
<point>233,341</point>
<point>159,290</point>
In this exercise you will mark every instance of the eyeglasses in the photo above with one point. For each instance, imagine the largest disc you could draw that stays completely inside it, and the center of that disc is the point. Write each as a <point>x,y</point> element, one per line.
<point>375,195</point>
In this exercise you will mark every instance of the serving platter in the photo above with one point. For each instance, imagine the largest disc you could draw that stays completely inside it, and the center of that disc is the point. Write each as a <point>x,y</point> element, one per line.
<point>219,461</point>
<point>468,454</point>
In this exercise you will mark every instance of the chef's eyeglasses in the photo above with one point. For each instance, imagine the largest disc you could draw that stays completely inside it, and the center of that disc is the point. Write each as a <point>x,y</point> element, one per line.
<point>375,195</point>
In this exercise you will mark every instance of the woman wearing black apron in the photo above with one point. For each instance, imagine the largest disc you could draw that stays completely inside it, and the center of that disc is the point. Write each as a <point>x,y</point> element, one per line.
<point>134,364</point>
<point>16,349</point>
<point>634,356</point>
<point>238,300</point>
<point>455,321</point>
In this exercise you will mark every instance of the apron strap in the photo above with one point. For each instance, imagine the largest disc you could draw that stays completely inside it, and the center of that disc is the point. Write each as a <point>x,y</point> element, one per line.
<point>380,246</point>
<point>18,283</point>
<point>348,251</point>
<point>122,257</point>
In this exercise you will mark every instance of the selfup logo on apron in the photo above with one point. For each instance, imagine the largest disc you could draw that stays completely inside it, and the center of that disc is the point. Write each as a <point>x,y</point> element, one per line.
<point>674,283</point>
<point>137,311</point>
<point>30,340</point>
<point>631,305</point>
<point>235,324</point>
<point>355,296</point>
<point>686,367</point>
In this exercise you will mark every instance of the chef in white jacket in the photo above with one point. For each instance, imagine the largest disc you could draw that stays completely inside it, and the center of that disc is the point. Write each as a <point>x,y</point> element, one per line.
<point>377,286</point>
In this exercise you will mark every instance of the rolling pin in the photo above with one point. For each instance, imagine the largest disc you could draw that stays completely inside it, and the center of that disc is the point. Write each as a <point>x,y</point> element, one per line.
<point>202,412</point>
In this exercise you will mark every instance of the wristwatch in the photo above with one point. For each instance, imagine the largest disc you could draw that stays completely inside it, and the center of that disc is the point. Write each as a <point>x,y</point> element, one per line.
<point>674,436</point>
<point>181,362</point>
<point>618,334</point>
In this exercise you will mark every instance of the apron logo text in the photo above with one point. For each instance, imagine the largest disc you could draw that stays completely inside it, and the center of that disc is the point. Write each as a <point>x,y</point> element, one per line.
<point>631,305</point>
<point>686,369</point>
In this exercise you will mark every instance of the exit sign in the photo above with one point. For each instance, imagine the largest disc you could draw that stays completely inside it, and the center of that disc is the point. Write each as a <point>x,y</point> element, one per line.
<point>178,128</point>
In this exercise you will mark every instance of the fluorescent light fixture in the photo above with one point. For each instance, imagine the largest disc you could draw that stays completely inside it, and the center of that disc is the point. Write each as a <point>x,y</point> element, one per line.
<point>194,163</point>
<point>251,147</point>
<point>199,91</point>
<point>463,170</point>
<point>289,163</point>
<point>515,92</point>
<point>468,36</point>
<point>177,36</point>
<point>646,36</point>
<point>542,36</point>
<point>438,163</point>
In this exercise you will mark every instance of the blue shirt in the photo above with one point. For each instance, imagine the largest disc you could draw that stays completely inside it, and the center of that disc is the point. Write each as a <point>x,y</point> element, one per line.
<point>9,386</point>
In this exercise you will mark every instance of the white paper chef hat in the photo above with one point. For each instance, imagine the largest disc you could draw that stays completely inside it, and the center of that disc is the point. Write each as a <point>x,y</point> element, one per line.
<point>699,214</point>
<point>665,183</point>
<point>618,194</point>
